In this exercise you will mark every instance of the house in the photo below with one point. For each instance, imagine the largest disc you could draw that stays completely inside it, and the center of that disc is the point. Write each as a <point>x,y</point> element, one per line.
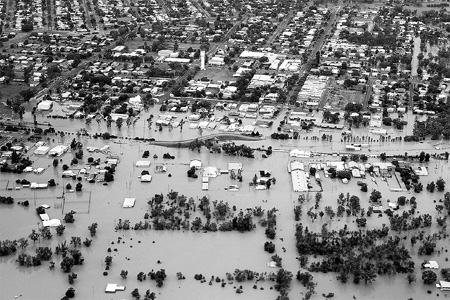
<point>196,163</point>
<point>45,105</point>
<point>113,287</point>
<point>58,150</point>
<point>41,150</point>
<point>443,285</point>
<point>300,153</point>
<point>212,172</point>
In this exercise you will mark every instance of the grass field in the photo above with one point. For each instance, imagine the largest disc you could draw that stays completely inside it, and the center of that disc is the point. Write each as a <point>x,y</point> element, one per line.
<point>9,91</point>
<point>425,8</point>
<point>215,74</point>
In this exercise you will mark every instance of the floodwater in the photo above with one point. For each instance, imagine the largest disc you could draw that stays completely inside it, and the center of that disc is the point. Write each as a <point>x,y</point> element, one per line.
<point>415,60</point>
<point>211,254</point>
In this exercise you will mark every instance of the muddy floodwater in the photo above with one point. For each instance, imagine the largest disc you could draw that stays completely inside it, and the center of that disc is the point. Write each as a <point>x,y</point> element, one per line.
<point>211,253</point>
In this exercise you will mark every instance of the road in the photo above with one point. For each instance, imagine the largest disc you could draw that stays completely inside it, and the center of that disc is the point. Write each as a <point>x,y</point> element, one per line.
<point>368,93</point>
<point>305,68</point>
<point>86,14</point>
<point>280,28</point>
<point>200,8</point>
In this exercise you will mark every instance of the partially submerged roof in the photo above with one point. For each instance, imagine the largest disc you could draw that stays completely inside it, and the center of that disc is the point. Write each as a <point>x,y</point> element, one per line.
<point>129,202</point>
<point>143,163</point>
<point>51,223</point>
<point>146,178</point>
<point>113,287</point>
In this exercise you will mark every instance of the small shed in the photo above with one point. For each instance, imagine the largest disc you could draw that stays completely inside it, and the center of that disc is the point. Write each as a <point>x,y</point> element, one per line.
<point>146,178</point>
<point>129,202</point>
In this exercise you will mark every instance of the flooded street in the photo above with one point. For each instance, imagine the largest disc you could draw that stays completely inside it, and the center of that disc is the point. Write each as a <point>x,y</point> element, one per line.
<point>415,60</point>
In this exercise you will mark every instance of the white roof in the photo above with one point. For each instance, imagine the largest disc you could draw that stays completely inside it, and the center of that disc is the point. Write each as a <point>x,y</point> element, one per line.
<point>210,172</point>
<point>113,287</point>
<point>129,202</point>
<point>195,163</point>
<point>44,217</point>
<point>136,99</point>
<point>58,150</point>
<point>300,153</point>
<point>299,181</point>
<point>432,265</point>
<point>146,178</point>
<point>45,105</point>
<point>41,150</point>
<point>51,223</point>
<point>142,163</point>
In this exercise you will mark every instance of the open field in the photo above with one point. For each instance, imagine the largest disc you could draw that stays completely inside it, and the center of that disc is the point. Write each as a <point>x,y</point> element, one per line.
<point>216,74</point>
<point>338,98</point>
<point>9,91</point>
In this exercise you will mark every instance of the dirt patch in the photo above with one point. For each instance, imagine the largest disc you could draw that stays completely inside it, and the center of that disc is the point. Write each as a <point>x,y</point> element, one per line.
<point>337,97</point>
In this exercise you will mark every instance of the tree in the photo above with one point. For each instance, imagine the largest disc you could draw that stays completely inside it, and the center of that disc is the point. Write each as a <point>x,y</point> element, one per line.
<point>119,123</point>
<point>431,186</point>
<point>93,229</point>
<point>445,272</point>
<point>27,94</point>
<point>68,218</point>
<point>60,229</point>
<point>283,281</point>
<point>440,184</point>
<point>45,233</point>
<point>34,236</point>
<point>78,187</point>
<point>70,293</point>
<point>429,277</point>
<point>418,187</point>
<point>67,264</point>
<point>355,206</point>
<point>123,274</point>
<point>422,156</point>
<point>269,247</point>
<point>411,277</point>
<point>375,196</point>
<point>27,27</point>
<point>23,243</point>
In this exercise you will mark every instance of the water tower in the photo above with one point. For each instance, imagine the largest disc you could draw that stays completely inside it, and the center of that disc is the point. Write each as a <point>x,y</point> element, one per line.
<point>202,57</point>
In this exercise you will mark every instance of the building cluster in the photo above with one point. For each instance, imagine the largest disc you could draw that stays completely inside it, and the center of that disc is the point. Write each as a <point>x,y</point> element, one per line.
<point>302,31</point>
<point>70,15</point>
<point>26,15</point>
